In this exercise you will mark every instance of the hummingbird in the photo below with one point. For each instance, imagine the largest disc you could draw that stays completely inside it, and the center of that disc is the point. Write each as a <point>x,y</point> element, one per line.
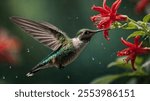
<point>64,49</point>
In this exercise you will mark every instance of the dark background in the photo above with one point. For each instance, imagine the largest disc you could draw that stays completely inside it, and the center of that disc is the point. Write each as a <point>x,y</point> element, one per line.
<point>70,16</point>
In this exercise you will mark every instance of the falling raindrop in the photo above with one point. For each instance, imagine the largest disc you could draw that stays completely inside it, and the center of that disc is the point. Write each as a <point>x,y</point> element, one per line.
<point>93,58</point>
<point>77,18</point>
<point>28,50</point>
<point>102,44</point>
<point>112,54</point>
<point>16,77</point>
<point>10,67</point>
<point>3,77</point>
<point>68,77</point>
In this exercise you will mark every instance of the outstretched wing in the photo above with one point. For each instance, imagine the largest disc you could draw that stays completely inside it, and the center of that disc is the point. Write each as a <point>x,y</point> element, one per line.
<point>45,33</point>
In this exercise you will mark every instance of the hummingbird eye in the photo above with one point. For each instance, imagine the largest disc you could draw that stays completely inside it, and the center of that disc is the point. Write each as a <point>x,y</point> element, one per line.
<point>86,32</point>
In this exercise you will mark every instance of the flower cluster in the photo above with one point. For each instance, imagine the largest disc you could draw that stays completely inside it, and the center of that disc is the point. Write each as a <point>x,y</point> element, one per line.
<point>141,5</point>
<point>133,50</point>
<point>107,16</point>
<point>9,48</point>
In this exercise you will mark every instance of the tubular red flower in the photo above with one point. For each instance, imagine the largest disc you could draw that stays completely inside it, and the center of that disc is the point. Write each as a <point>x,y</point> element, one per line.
<point>9,48</point>
<point>141,5</point>
<point>133,50</point>
<point>107,16</point>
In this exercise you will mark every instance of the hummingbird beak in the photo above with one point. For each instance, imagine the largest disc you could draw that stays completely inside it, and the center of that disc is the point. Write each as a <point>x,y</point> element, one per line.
<point>93,32</point>
<point>96,31</point>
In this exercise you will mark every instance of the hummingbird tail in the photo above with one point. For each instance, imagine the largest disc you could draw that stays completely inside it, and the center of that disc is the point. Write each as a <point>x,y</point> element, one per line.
<point>36,69</point>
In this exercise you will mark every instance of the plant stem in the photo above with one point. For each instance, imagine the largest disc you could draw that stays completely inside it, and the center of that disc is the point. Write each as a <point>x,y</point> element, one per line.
<point>140,27</point>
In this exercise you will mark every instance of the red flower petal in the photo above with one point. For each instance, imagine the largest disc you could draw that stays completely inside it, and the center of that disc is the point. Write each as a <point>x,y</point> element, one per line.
<point>133,61</point>
<point>106,35</point>
<point>141,5</point>
<point>136,40</point>
<point>116,5</point>
<point>103,22</point>
<point>128,44</point>
<point>99,9</point>
<point>105,6</point>
<point>124,52</point>
<point>120,17</point>
<point>93,18</point>
<point>144,50</point>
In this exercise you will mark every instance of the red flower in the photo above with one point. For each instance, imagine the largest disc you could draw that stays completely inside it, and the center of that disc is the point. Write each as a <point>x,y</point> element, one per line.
<point>9,48</point>
<point>141,5</point>
<point>107,16</point>
<point>133,50</point>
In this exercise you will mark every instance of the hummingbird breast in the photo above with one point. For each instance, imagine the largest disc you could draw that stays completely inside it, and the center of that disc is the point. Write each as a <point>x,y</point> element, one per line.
<point>78,46</point>
<point>70,52</point>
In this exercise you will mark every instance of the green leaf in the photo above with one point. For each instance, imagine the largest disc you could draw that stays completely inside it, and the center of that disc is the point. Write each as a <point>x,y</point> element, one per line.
<point>131,25</point>
<point>136,33</point>
<point>122,64</point>
<point>119,62</point>
<point>146,66</point>
<point>146,18</point>
<point>110,78</point>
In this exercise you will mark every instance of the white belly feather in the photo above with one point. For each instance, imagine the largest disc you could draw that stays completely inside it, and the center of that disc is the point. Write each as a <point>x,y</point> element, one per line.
<point>78,44</point>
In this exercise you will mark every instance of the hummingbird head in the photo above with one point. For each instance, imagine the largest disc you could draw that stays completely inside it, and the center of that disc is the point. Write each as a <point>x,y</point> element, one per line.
<point>86,34</point>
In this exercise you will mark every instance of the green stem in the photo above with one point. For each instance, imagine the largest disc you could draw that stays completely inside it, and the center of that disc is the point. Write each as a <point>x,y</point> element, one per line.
<point>140,27</point>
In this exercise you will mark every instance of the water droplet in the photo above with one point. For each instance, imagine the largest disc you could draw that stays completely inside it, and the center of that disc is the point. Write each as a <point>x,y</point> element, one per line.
<point>3,77</point>
<point>102,44</point>
<point>112,54</point>
<point>68,77</point>
<point>10,67</point>
<point>93,58</point>
<point>100,62</point>
<point>77,17</point>
<point>16,77</point>
<point>28,50</point>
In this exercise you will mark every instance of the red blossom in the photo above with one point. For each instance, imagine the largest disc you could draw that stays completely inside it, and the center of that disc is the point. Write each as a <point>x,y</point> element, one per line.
<point>133,50</point>
<point>141,5</point>
<point>107,16</point>
<point>9,48</point>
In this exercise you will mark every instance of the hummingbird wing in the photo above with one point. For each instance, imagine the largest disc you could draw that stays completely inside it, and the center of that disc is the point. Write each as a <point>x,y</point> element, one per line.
<point>45,33</point>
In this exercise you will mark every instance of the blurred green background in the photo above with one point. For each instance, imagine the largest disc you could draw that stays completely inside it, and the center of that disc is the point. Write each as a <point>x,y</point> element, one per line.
<point>70,16</point>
